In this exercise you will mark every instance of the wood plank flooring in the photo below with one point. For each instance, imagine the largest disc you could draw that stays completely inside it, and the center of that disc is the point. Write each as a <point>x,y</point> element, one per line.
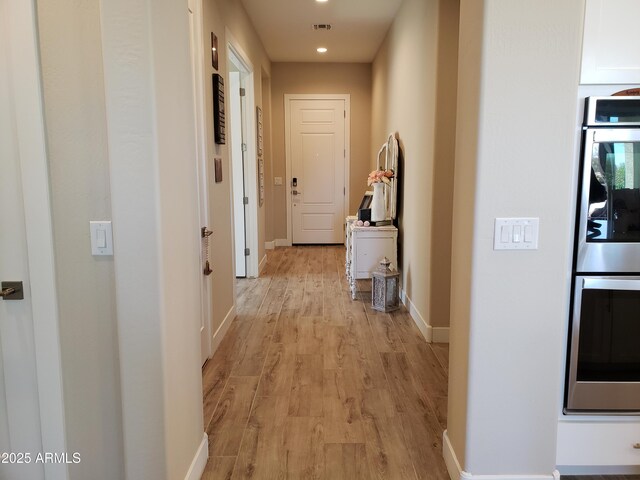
<point>309,384</point>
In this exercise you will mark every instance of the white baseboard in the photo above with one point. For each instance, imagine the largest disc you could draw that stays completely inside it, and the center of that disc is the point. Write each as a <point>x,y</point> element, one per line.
<point>431,334</point>
<point>199,461</point>
<point>450,459</point>
<point>456,472</point>
<point>270,245</point>
<point>222,329</point>
<point>263,263</point>
<point>282,242</point>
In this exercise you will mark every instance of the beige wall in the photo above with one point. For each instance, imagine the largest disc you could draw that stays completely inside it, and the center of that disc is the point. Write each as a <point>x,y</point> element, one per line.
<point>322,78</point>
<point>71,61</point>
<point>268,158</point>
<point>469,70</point>
<point>220,15</point>
<point>510,308</point>
<point>414,96</point>
<point>154,202</point>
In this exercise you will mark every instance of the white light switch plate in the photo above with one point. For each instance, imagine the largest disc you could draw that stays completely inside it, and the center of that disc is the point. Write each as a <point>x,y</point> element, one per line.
<point>277,180</point>
<point>101,238</point>
<point>516,234</point>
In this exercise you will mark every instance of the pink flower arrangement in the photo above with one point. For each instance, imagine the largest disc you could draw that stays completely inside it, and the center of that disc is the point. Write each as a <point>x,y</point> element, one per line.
<point>378,176</point>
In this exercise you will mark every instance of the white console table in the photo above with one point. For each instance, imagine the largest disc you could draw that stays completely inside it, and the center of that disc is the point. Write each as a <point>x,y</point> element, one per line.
<point>366,246</point>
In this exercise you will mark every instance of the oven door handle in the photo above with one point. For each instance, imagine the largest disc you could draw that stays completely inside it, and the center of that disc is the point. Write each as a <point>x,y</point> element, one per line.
<point>610,284</point>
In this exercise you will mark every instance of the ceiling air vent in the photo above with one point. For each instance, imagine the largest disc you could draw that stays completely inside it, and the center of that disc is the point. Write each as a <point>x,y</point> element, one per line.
<point>322,26</point>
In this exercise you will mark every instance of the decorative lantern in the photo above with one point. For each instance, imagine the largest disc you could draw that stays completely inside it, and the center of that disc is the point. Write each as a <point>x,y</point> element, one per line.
<point>384,288</point>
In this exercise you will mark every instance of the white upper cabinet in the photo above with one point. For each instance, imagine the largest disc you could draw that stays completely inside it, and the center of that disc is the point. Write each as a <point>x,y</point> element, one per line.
<point>611,47</point>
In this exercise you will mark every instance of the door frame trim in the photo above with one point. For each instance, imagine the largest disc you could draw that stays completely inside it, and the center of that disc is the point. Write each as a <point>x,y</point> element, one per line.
<point>288,97</point>
<point>251,175</point>
<point>24,68</point>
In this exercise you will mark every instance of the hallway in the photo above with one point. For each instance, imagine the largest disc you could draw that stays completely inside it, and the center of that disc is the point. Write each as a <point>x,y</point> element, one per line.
<point>310,384</point>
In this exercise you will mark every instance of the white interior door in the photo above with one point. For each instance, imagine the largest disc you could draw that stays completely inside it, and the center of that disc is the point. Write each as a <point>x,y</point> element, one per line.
<point>236,132</point>
<point>241,135</point>
<point>20,431</point>
<point>195,42</point>
<point>317,146</point>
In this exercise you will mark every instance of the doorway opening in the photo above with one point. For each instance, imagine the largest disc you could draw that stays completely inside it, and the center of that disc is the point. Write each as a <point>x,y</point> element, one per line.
<point>242,149</point>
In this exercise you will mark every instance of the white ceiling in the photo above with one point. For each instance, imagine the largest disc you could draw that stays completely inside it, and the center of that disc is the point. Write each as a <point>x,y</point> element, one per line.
<point>286,28</point>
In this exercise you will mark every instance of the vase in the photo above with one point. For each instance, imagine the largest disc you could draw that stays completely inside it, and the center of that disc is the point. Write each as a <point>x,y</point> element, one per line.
<point>378,212</point>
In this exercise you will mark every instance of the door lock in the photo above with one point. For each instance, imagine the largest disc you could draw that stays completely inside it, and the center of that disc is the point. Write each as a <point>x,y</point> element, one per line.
<point>11,291</point>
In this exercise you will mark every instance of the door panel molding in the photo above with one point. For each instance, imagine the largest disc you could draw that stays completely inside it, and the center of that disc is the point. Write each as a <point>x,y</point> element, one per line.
<point>288,98</point>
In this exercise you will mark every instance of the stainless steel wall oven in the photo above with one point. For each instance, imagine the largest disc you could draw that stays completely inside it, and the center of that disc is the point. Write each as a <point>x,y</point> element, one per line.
<point>603,373</point>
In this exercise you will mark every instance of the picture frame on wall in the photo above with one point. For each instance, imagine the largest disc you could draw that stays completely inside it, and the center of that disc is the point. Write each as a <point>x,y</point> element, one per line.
<point>219,118</point>
<point>261,180</point>
<point>214,51</point>
<point>217,169</point>
<point>259,130</point>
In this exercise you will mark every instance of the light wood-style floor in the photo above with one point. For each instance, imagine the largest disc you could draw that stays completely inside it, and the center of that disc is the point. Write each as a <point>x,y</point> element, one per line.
<point>310,384</point>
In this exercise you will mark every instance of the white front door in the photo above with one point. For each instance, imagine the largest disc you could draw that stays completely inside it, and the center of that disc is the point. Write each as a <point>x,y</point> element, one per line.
<point>318,156</point>
<point>20,431</point>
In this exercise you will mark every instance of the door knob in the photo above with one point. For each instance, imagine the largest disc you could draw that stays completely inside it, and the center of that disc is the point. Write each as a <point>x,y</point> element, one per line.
<point>296,192</point>
<point>11,291</point>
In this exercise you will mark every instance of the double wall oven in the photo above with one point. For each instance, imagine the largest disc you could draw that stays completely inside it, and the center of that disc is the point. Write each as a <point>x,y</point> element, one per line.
<point>603,374</point>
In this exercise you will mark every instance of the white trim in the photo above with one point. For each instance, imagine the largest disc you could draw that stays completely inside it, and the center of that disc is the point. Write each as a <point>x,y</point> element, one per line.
<point>431,334</point>
<point>263,263</point>
<point>270,245</point>
<point>282,242</point>
<point>450,458</point>
<point>224,326</point>
<point>251,174</point>
<point>287,137</point>
<point>24,67</point>
<point>456,472</point>
<point>199,461</point>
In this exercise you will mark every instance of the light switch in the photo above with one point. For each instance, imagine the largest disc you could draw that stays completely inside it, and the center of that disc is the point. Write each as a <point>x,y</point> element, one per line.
<point>528,233</point>
<point>101,238</point>
<point>505,234</point>
<point>517,231</point>
<point>277,180</point>
<point>516,234</point>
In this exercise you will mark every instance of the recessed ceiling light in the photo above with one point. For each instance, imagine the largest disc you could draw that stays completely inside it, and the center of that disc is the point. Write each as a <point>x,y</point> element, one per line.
<point>321,50</point>
<point>322,1</point>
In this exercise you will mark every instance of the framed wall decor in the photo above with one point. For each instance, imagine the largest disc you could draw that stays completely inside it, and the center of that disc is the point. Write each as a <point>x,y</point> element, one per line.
<point>214,51</point>
<point>217,169</point>
<point>219,126</point>
<point>261,180</point>
<point>260,142</point>
<point>260,148</point>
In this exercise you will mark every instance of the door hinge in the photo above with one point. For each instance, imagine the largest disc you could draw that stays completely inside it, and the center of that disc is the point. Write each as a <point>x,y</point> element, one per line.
<point>244,147</point>
<point>344,153</point>
<point>247,252</point>
<point>344,190</point>
<point>345,113</point>
<point>242,92</point>
<point>245,200</point>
